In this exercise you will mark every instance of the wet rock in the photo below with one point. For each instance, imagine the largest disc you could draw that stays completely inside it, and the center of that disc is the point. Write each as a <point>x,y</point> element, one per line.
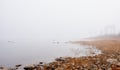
<point>29,67</point>
<point>41,63</point>
<point>18,65</point>
<point>60,59</point>
<point>1,67</point>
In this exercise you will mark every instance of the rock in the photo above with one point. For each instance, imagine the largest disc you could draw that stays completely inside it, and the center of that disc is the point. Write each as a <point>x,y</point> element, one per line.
<point>41,63</point>
<point>29,67</point>
<point>18,65</point>
<point>60,59</point>
<point>1,67</point>
<point>112,61</point>
<point>118,64</point>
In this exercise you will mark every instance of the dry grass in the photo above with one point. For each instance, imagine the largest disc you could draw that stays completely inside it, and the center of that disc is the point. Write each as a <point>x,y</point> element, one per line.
<point>107,46</point>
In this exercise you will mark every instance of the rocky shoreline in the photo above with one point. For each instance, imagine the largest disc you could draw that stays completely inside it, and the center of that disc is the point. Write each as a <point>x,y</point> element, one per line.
<point>97,62</point>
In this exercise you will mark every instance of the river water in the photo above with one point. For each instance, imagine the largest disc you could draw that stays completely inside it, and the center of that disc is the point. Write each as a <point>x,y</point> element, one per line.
<point>33,51</point>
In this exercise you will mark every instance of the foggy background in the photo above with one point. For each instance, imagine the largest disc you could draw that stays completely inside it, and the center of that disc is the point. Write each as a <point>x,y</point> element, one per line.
<point>35,30</point>
<point>58,19</point>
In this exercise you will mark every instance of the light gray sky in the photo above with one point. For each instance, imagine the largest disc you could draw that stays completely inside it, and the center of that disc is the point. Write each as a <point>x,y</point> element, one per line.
<point>58,18</point>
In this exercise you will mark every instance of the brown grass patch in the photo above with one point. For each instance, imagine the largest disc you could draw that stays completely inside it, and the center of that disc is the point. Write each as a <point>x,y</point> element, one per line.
<point>107,46</point>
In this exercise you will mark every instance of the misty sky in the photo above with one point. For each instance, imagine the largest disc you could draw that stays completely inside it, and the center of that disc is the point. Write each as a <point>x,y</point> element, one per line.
<point>58,18</point>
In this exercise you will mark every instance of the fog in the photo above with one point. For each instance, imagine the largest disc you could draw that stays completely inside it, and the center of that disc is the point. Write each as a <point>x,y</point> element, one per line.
<point>58,19</point>
<point>36,30</point>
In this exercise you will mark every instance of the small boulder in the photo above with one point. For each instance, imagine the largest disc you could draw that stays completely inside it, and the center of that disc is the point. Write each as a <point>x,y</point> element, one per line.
<point>60,59</point>
<point>18,65</point>
<point>29,67</point>
<point>1,67</point>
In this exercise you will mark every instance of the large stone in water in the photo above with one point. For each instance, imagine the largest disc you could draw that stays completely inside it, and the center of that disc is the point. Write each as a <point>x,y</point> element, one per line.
<point>29,67</point>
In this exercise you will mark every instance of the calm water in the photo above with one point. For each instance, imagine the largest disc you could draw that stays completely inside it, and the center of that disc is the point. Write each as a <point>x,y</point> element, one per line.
<point>28,52</point>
